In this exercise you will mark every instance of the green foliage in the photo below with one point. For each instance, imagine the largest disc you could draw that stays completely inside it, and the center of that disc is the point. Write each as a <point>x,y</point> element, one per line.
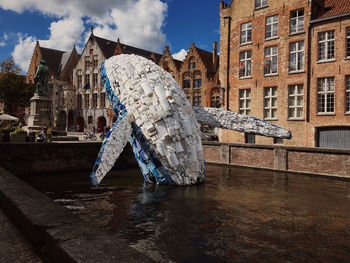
<point>19,131</point>
<point>13,89</point>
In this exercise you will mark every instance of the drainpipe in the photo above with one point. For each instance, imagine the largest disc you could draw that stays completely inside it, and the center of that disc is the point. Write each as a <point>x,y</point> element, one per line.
<point>228,18</point>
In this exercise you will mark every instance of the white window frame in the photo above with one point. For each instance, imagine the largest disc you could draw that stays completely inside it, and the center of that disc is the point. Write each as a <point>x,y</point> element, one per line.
<point>270,103</point>
<point>246,28</point>
<point>347,94</point>
<point>326,96</point>
<point>197,100</point>
<point>296,95</point>
<point>244,101</point>
<point>271,53</point>
<point>215,101</point>
<point>298,54</point>
<point>245,64</point>
<point>328,43</point>
<point>347,44</point>
<point>272,27</point>
<point>298,20</point>
<point>260,4</point>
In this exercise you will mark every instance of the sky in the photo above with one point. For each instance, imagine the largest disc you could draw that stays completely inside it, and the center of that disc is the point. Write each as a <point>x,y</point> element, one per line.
<point>147,24</point>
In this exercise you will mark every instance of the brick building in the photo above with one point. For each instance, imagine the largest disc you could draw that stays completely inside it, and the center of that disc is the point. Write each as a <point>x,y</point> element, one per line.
<point>61,64</point>
<point>286,63</point>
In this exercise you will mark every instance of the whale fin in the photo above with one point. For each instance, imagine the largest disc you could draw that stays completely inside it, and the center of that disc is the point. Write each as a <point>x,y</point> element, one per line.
<point>221,118</point>
<point>111,148</point>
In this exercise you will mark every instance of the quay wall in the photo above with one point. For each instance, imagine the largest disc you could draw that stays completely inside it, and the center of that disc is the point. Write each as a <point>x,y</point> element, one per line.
<point>24,158</point>
<point>310,160</point>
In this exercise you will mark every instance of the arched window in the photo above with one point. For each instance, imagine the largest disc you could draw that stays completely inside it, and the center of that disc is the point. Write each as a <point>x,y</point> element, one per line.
<point>192,63</point>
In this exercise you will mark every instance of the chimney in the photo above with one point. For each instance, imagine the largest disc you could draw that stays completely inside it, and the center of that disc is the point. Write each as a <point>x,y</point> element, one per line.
<point>215,55</point>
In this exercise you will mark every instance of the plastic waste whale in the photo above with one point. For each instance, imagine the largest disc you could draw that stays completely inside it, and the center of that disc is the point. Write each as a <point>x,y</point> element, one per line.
<point>154,115</point>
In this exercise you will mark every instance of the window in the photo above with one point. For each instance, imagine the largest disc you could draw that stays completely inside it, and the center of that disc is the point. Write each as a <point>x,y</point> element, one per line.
<point>192,63</point>
<point>326,45</point>
<point>296,56</point>
<point>249,138</point>
<point>271,60</point>
<point>244,101</point>
<point>271,30</point>
<point>245,64</point>
<point>296,102</point>
<point>197,83</point>
<point>270,103</point>
<point>79,101</point>
<point>89,119</point>
<point>95,61</point>
<point>87,101</point>
<point>297,21</point>
<point>277,140</point>
<point>197,100</point>
<point>215,101</point>
<point>246,33</point>
<point>80,81</point>
<point>260,3</point>
<point>103,100</point>
<point>94,79</point>
<point>187,83</point>
<point>87,78</point>
<point>94,100</point>
<point>325,95</point>
<point>348,42</point>
<point>87,61</point>
<point>347,94</point>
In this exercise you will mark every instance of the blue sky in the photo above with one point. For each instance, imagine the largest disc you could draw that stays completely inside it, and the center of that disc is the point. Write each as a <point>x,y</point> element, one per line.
<point>148,24</point>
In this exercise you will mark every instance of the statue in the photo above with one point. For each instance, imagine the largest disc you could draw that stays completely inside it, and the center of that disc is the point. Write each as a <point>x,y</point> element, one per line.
<point>155,116</point>
<point>41,79</point>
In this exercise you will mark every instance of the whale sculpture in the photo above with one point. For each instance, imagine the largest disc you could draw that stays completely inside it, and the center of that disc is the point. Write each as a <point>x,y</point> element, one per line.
<point>154,114</point>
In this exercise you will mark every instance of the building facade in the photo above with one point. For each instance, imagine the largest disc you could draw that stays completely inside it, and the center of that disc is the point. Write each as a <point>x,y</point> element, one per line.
<point>61,64</point>
<point>278,62</point>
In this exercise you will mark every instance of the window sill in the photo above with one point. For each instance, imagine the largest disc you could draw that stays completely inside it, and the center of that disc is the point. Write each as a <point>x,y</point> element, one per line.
<point>247,77</point>
<point>245,43</point>
<point>296,72</point>
<point>271,38</point>
<point>268,119</point>
<point>271,75</point>
<point>347,58</point>
<point>326,61</point>
<point>325,114</point>
<point>347,113</point>
<point>261,7</point>
<point>296,119</point>
<point>296,33</point>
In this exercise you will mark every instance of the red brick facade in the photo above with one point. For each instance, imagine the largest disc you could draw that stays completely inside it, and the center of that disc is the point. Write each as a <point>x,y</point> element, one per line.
<point>273,74</point>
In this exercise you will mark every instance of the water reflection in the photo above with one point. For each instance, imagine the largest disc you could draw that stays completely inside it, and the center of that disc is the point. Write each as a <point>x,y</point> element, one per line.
<point>238,215</point>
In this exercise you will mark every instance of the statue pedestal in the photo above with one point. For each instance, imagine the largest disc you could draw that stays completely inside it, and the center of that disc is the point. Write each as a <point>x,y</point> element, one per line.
<point>40,112</point>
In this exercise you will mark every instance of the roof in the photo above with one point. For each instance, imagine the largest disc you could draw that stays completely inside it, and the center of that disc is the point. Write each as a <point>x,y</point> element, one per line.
<point>53,59</point>
<point>108,47</point>
<point>332,8</point>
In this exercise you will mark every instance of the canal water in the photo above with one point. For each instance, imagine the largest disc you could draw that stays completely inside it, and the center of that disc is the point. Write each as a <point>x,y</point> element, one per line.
<point>238,215</point>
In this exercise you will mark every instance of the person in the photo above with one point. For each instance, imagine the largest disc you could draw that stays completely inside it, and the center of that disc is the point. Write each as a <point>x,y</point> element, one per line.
<point>41,79</point>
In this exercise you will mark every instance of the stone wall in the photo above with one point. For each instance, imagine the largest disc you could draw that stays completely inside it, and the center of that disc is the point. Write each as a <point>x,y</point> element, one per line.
<point>25,158</point>
<point>330,162</point>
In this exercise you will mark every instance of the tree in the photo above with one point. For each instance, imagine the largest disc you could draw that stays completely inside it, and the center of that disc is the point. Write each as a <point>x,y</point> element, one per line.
<point>14,92</point>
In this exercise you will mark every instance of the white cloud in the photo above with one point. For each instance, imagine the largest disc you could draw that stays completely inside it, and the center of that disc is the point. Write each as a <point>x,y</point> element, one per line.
<point>135,22</point>
<point>23,51</point>
<point>181,55</point>
<point>4,39</point>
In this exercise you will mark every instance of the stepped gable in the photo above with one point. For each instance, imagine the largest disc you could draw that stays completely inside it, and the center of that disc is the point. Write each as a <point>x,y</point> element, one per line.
<point>207,58</point>
<point>53,59</point>
<point>178,63</point>
<point>332,8</point>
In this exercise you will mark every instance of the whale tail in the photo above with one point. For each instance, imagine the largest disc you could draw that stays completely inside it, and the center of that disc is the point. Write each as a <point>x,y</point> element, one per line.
<point>221,118</point>
<point>111,148</point>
